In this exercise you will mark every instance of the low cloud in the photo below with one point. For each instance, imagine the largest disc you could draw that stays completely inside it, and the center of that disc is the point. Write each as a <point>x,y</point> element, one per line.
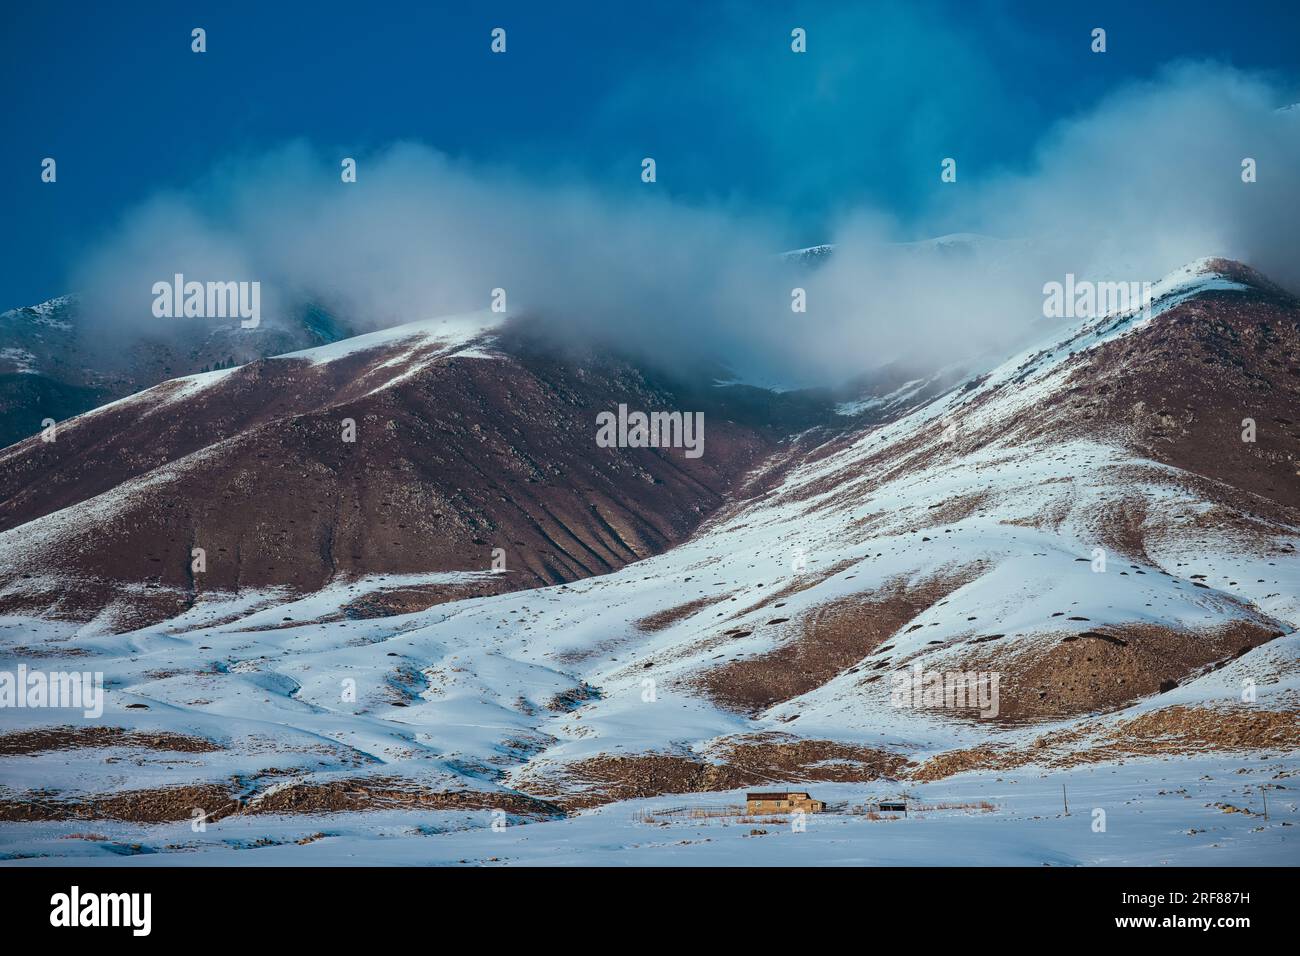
<point>1130,190</point>
<point>1152,177</point>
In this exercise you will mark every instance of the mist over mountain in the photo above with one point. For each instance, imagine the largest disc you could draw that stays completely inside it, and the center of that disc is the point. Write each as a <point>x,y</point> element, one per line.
<point>421,234</point>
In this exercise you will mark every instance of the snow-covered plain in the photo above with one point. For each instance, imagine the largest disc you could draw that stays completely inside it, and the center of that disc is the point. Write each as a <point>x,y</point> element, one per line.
<point>1145,813</point>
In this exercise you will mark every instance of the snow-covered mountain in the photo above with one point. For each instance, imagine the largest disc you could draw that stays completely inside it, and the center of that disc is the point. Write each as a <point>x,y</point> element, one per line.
<point>952,244</point>
<point>57,361</point>
<point>422,448</point>
<point>1091,520</point>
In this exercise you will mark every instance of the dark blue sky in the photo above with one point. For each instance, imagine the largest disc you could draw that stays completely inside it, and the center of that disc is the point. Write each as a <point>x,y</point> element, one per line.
<point>585,90</point>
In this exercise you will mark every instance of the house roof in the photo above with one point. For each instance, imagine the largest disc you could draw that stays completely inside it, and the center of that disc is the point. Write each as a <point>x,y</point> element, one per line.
<point>782,795</point>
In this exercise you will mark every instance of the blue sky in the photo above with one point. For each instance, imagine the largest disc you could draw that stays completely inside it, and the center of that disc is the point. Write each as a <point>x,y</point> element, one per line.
<point>712,91</point>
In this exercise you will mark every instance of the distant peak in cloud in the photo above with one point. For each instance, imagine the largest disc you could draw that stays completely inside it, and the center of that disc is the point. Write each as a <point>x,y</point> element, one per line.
<point>1147,180</point>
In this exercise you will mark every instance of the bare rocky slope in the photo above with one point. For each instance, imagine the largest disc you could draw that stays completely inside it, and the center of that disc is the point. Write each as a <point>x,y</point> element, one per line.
<point>458,447</point>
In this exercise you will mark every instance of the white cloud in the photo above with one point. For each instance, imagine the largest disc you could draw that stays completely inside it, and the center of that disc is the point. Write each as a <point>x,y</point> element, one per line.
<point>1130,190</point>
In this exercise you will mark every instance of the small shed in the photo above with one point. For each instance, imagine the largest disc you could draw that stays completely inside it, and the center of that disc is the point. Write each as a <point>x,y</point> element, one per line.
<point>782,801</point>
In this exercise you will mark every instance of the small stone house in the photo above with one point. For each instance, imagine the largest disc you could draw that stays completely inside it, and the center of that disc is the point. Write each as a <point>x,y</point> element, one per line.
<point>782,802</point>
